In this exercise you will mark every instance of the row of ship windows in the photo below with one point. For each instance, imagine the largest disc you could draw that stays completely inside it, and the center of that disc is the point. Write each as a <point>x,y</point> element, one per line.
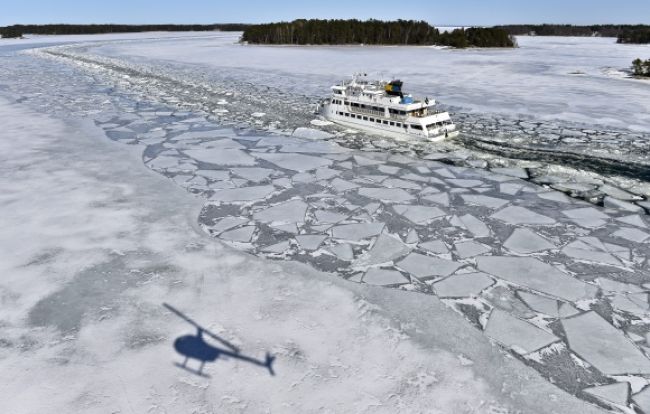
<point>379,121</point>
<point>374,108</point>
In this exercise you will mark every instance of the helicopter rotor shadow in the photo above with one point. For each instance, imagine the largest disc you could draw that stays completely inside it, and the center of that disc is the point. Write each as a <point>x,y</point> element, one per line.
<point>195,347</point>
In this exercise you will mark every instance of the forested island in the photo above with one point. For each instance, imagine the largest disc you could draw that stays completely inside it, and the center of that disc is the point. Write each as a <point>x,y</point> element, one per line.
<point>372,32</point>
<point>68,29</point>
<point>624,32</point>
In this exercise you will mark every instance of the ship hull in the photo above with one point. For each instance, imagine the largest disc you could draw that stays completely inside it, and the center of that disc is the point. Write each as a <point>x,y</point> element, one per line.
<point>384,130</point>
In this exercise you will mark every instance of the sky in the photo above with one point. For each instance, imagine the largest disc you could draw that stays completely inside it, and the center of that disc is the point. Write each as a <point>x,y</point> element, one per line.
<point>443,13</point>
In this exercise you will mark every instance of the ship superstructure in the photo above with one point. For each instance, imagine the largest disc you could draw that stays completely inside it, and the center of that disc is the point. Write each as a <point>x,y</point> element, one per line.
<point>382,107</point>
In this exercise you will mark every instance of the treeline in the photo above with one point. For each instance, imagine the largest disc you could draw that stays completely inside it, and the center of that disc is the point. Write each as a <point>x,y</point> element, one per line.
<point>602,30</point>
<point>641,36</point>
<point>69,29</point>
<point>641,67</point>
<point>10,32</point>
<point>371,32</point>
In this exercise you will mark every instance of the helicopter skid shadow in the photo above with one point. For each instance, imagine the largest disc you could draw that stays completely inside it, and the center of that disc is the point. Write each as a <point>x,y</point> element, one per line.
<point>192,371</point>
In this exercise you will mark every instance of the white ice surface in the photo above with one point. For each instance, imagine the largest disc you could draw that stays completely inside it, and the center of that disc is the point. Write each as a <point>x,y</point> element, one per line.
<point>80,210</point>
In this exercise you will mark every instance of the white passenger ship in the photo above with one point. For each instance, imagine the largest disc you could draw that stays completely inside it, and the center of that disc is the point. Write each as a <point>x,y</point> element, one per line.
<point>381,107</point>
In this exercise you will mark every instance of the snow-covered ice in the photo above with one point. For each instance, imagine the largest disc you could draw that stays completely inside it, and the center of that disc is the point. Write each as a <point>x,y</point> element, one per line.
<point>397,219</point>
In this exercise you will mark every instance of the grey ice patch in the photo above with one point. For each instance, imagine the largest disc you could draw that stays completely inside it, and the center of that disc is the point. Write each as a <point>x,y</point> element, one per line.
<point>534,274</point>
<point>617,393</point>
<point>423,266</point>
<point>463,285</point>
<point>604,346</point>
<point>522,215</point>
<point>525,241</point>
<point>384,277</point>
<point>385,249</point>
<point>521,336</point>
<point>396,195</point>
<point>243,194</point>
<point>357,231</point>
<point>419,214</point>
<point>295,162</point>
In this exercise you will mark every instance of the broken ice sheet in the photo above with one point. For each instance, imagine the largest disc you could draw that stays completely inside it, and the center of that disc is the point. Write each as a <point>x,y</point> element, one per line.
<point>328,217</point>
<point>221,156</point>
<point>603,346</point>
<point>292,211</point>
<point>534,274</point>
<point>470,249</point>
<point>310,241</point>
<point>423,266</point>
<point>277,248</point>
<point>587,217</point>
<point>357,231</point>
<point>375,276</point>
<point>585,249</point>
<point>632,234</point>
<point>242,234</point>
<point>617,393</point>
<point>525,241</point>
<point>253,174</point>
<point>521,336</point>
<point>472,224</point>
<point>243,194</point>
<point>435,246</point>
<point>295,162</point>
<point>539,303</point>
<point>342,251</point>
<point>485,201</point>
<point>418,214</point>
<point>396,195</point>
<point>522,215</point>
<point>385,249</point>
<point>463,285</point>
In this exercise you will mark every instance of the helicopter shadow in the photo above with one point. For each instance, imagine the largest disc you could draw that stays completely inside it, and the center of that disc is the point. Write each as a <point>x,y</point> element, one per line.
<point>195,347</point>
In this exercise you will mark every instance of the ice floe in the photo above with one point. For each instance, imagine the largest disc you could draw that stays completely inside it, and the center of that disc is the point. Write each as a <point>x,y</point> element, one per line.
<point>603,346</point>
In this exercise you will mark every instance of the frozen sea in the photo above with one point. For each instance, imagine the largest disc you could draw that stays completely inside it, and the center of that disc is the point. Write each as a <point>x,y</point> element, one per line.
<point>190,170</point>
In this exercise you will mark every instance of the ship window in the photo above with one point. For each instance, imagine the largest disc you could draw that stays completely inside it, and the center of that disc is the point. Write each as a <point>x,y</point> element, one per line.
<point>355,105</point>
<point>402,112</point>
<point>371,119</point>
<point>347,114</point>
<point>337,92</point>
<point>385,122</point>
<point>405,126</point>
<point>418,127</point>
<point>379,121</point>
<point>365,118</point>
<point>392,123</point>
<point>399,124</point>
